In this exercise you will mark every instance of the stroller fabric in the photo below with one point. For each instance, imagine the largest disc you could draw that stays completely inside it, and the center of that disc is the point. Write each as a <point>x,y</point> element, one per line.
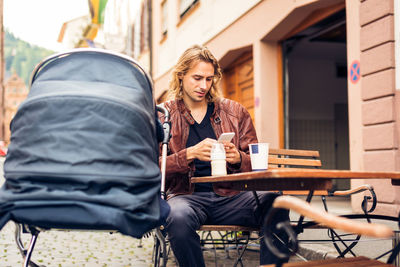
<point>84,148</point>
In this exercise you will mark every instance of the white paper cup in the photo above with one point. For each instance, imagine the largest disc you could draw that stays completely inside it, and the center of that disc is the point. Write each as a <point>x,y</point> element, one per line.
<point>259,156</point>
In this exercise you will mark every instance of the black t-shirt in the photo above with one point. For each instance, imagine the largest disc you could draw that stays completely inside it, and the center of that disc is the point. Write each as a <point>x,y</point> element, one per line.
<point>197,133</point>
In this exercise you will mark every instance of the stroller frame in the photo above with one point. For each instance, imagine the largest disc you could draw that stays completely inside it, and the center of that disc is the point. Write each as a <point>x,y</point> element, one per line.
<point>161,250</point>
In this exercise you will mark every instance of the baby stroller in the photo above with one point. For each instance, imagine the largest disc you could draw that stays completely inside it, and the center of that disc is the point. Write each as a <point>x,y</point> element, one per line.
<point>84,149</point>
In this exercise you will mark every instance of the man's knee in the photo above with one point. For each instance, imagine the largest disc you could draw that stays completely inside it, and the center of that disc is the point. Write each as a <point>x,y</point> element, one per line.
<point>267,198</point>
<point>181,220</point>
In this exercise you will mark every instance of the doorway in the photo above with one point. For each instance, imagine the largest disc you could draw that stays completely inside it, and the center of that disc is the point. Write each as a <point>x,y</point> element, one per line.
<point>238,81</point>
<point>315,92</point>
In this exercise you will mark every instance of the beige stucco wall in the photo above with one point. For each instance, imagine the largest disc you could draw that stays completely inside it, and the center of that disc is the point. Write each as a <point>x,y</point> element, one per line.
<point>266,92</point>
<point>378,98</point>
<point>354,89</point>
<point>209,19</point>
<point>259,29</point>
<point>354,95</point>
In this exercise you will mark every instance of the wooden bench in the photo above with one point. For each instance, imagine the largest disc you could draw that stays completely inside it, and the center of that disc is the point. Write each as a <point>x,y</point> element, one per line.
<point>292,158</point>
<point>283,158</point>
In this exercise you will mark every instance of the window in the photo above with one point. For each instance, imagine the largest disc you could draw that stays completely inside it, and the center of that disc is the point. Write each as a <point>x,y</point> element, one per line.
<point>164,20</point>
<point>185,6</point>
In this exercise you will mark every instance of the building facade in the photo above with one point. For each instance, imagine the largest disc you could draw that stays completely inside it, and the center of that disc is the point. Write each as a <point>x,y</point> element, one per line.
<point>314,74</point>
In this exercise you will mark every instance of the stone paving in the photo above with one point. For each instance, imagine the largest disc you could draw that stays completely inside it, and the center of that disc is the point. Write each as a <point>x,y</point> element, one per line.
<point>77,248</point>
<point>93,248</point>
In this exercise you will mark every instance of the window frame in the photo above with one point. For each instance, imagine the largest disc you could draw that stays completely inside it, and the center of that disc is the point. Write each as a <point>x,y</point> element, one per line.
<point>187,8</point>
<point>164,19</point>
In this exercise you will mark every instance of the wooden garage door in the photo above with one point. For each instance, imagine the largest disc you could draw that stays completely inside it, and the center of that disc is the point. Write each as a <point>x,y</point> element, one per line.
<point>238,83</point>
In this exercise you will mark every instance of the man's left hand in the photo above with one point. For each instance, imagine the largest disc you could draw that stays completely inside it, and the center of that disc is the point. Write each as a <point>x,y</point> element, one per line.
<point>232,154</point>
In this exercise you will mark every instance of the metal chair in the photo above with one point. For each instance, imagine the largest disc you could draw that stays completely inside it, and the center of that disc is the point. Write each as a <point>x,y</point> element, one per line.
<point>329,221</point>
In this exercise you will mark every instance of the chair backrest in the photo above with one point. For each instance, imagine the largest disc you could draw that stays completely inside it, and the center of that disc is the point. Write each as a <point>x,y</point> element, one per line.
<point>292,158</point>
<point>295,158</point>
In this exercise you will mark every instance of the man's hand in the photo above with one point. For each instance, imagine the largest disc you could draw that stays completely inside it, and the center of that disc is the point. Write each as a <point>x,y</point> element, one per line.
<point>232,154</point>
<point>201,151</point>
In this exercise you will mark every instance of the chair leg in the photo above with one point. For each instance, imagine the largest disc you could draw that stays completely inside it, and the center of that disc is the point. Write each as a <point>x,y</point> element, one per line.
<point>225,243</point>
<point>156,253</point>
<point>160,250</point>
<point>209,237</point>
<point>348,248</point>
<point>394,257</point>
<point>241,252</point>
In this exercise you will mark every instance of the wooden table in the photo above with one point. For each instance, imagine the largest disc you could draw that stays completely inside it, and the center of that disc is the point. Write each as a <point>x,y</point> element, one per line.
<point>310,180</point>
<point>293,179</point>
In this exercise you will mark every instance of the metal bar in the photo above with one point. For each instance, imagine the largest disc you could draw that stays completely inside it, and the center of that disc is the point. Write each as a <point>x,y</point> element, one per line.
<point>163,167</point>
<point>394,258</point>
<point>240,253</point>
<point>30,249</point>
<point>20,245</point>
<point>299,227</point>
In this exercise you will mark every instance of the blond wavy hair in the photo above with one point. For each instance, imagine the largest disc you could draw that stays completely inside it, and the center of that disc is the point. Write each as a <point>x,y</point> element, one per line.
<point>190,57</point>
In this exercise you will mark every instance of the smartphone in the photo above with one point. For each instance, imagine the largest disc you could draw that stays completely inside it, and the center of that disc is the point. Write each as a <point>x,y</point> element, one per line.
<point>226,137</point>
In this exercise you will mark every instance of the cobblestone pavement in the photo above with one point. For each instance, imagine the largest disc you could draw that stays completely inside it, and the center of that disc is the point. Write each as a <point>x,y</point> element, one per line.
<point>77,248</point>
<point>93,248</point>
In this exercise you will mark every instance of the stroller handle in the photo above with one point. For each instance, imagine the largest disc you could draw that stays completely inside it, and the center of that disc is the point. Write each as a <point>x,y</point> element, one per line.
<point>167,135</point>
<point>50,58</point>
<point>166,124</point>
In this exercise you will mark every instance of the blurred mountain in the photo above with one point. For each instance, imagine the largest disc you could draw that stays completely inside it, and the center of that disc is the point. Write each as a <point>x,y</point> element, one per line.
<point>21,57</point>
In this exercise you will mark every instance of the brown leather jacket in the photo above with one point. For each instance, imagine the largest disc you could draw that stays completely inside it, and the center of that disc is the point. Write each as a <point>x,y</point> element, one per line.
<point>228,116</point>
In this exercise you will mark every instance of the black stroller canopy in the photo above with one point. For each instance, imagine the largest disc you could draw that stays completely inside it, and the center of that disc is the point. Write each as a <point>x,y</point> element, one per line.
<point>129,81</point>
<point>84,147</point>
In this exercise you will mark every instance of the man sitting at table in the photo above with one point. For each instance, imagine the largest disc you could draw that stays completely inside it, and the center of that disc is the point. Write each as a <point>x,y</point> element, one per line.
<point>198,118</point>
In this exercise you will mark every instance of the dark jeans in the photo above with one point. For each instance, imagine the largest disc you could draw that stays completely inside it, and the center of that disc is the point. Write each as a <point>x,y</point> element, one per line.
<point>189,212</point>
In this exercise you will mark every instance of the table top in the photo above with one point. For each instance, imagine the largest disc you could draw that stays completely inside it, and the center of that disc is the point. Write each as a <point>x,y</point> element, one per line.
<point>292,178</point>
<point>291,173</point>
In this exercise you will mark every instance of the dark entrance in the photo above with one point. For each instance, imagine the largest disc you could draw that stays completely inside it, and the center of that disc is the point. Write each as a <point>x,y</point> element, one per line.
<point>315,92</point>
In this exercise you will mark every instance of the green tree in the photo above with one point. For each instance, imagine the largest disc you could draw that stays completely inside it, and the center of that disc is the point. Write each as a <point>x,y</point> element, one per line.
<point>22,57</point>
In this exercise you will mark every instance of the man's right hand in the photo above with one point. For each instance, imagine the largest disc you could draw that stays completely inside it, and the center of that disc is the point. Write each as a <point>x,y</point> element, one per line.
<point>200,151</point>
